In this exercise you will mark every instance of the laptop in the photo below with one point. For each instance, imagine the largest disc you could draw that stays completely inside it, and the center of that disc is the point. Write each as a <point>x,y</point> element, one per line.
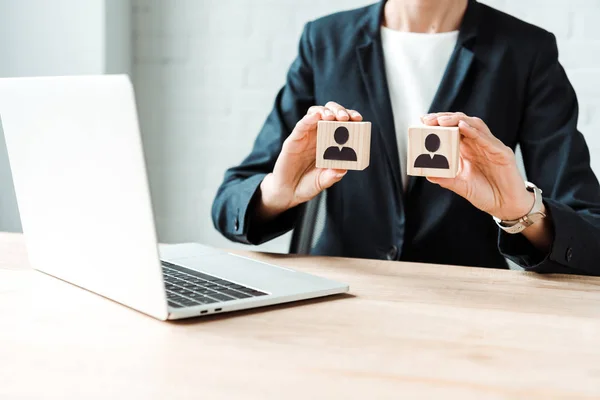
<point>78,167</point>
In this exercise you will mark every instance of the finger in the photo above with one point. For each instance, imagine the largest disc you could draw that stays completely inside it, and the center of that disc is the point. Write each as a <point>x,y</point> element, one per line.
<point>430,119</point>
<point>328,177</point>
<point>487,141</point>
<point>475,124</point>
<point>340,112</point>
<point>452,119</point>
<point>307,124</point>
<point>449,119</point>
<point>325,113</point>
<point>446,113</point>
<point>457,185</point>
<point>446,183</point>
<point>468,131</point>
<point>355,115</point>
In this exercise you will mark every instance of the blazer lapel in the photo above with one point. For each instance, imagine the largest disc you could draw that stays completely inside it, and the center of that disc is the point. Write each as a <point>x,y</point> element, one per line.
<point>372,69</point>
<point>457,70</point>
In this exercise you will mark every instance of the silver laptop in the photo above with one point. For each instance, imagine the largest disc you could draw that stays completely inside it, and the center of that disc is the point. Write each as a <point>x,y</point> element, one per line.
<point>78,167</point>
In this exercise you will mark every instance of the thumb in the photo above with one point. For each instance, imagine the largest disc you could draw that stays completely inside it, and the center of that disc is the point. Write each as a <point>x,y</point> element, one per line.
<point>328,177</point>
<point>443,182</point>
<point>304,126</point>
<point>456,185</point>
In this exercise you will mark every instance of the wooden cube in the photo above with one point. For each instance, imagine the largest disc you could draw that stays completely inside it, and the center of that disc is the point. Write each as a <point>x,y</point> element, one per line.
<point>343,145</point>
<point>433,151</point>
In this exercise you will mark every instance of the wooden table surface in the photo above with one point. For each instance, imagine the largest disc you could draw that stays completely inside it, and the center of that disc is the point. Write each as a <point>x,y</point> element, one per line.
<point>405,331</point>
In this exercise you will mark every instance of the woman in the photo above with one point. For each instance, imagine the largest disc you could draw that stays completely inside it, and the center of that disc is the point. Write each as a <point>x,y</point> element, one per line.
<point>437,62</point>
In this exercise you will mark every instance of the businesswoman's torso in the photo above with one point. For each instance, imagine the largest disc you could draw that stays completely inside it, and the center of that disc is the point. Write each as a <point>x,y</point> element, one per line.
<point>369,213</point>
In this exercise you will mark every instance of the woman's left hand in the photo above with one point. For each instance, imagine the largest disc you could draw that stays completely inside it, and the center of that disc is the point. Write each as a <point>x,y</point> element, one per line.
<point>487,174</point>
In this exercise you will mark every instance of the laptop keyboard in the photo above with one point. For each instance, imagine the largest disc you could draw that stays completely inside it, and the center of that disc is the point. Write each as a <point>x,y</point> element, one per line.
<point>188,288</point>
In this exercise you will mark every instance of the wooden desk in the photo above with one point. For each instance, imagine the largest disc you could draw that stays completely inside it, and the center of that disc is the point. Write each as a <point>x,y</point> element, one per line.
<point>407,331</point>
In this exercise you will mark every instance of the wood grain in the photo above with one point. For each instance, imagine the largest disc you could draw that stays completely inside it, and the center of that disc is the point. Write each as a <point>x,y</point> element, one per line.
<point>359,141</point>
<point>406,330</point>
<point>449,148</point>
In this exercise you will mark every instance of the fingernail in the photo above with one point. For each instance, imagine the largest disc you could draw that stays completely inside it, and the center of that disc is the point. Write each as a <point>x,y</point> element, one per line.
<point>355,114</point>
<point>461,122</point>
<point>342,113</point>
<point>444,118</point>
<point>340,174</point>
<point>328,113</point>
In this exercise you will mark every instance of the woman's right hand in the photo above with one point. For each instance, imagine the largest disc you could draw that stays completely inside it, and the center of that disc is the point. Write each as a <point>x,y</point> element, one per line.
<point>295,178</point>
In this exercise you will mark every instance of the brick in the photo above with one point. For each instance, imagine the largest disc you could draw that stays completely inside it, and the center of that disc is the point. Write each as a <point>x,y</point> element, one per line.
<point>277,19</point>
<point>579,54</point>
<point>558,20</point>
<point>226,76</point>
<point>229,19</point>
<point>285,51</point>
<point>588,25</point>
<point>585,81</point>
<point>229,51</point>
<point>161,48</point>
<point>589,109</point>
<point>172,16</point>
<point>590,132</point>
<point>187,76</point>
<point>268,77</point>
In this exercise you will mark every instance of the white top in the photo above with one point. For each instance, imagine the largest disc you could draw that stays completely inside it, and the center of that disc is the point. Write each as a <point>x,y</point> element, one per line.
<point>414,66</point>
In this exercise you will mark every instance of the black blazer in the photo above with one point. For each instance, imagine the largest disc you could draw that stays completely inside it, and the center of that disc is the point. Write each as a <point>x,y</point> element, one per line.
<point>502,70</point>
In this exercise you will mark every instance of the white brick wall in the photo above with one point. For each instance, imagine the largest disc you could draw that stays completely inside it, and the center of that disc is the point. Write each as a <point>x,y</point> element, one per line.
<point>206,74</point>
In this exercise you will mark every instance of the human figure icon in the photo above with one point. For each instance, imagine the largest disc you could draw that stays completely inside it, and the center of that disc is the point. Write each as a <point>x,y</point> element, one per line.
<point>432,144</point>
<point>341,136</point>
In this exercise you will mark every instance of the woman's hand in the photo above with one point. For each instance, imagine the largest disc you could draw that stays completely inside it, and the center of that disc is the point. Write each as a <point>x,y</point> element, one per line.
<point>295,178</point>
<point>488,176</point>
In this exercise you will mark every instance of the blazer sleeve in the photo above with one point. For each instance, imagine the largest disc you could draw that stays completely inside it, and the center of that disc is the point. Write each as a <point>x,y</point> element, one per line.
<point>234,204</point>
<point>557,160</point>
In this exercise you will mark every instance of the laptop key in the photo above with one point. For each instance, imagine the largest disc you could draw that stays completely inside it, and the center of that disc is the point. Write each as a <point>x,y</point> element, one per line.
<point>174,305</point>
<point>175,298</point>
<point>189,271</point>
<point>212,285</point>
<point>190,303</point>
<point>208,292</point>
<point>208,300</point>
<point>221,297</point>
<point>242,295</point>
<point>234,294</point>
